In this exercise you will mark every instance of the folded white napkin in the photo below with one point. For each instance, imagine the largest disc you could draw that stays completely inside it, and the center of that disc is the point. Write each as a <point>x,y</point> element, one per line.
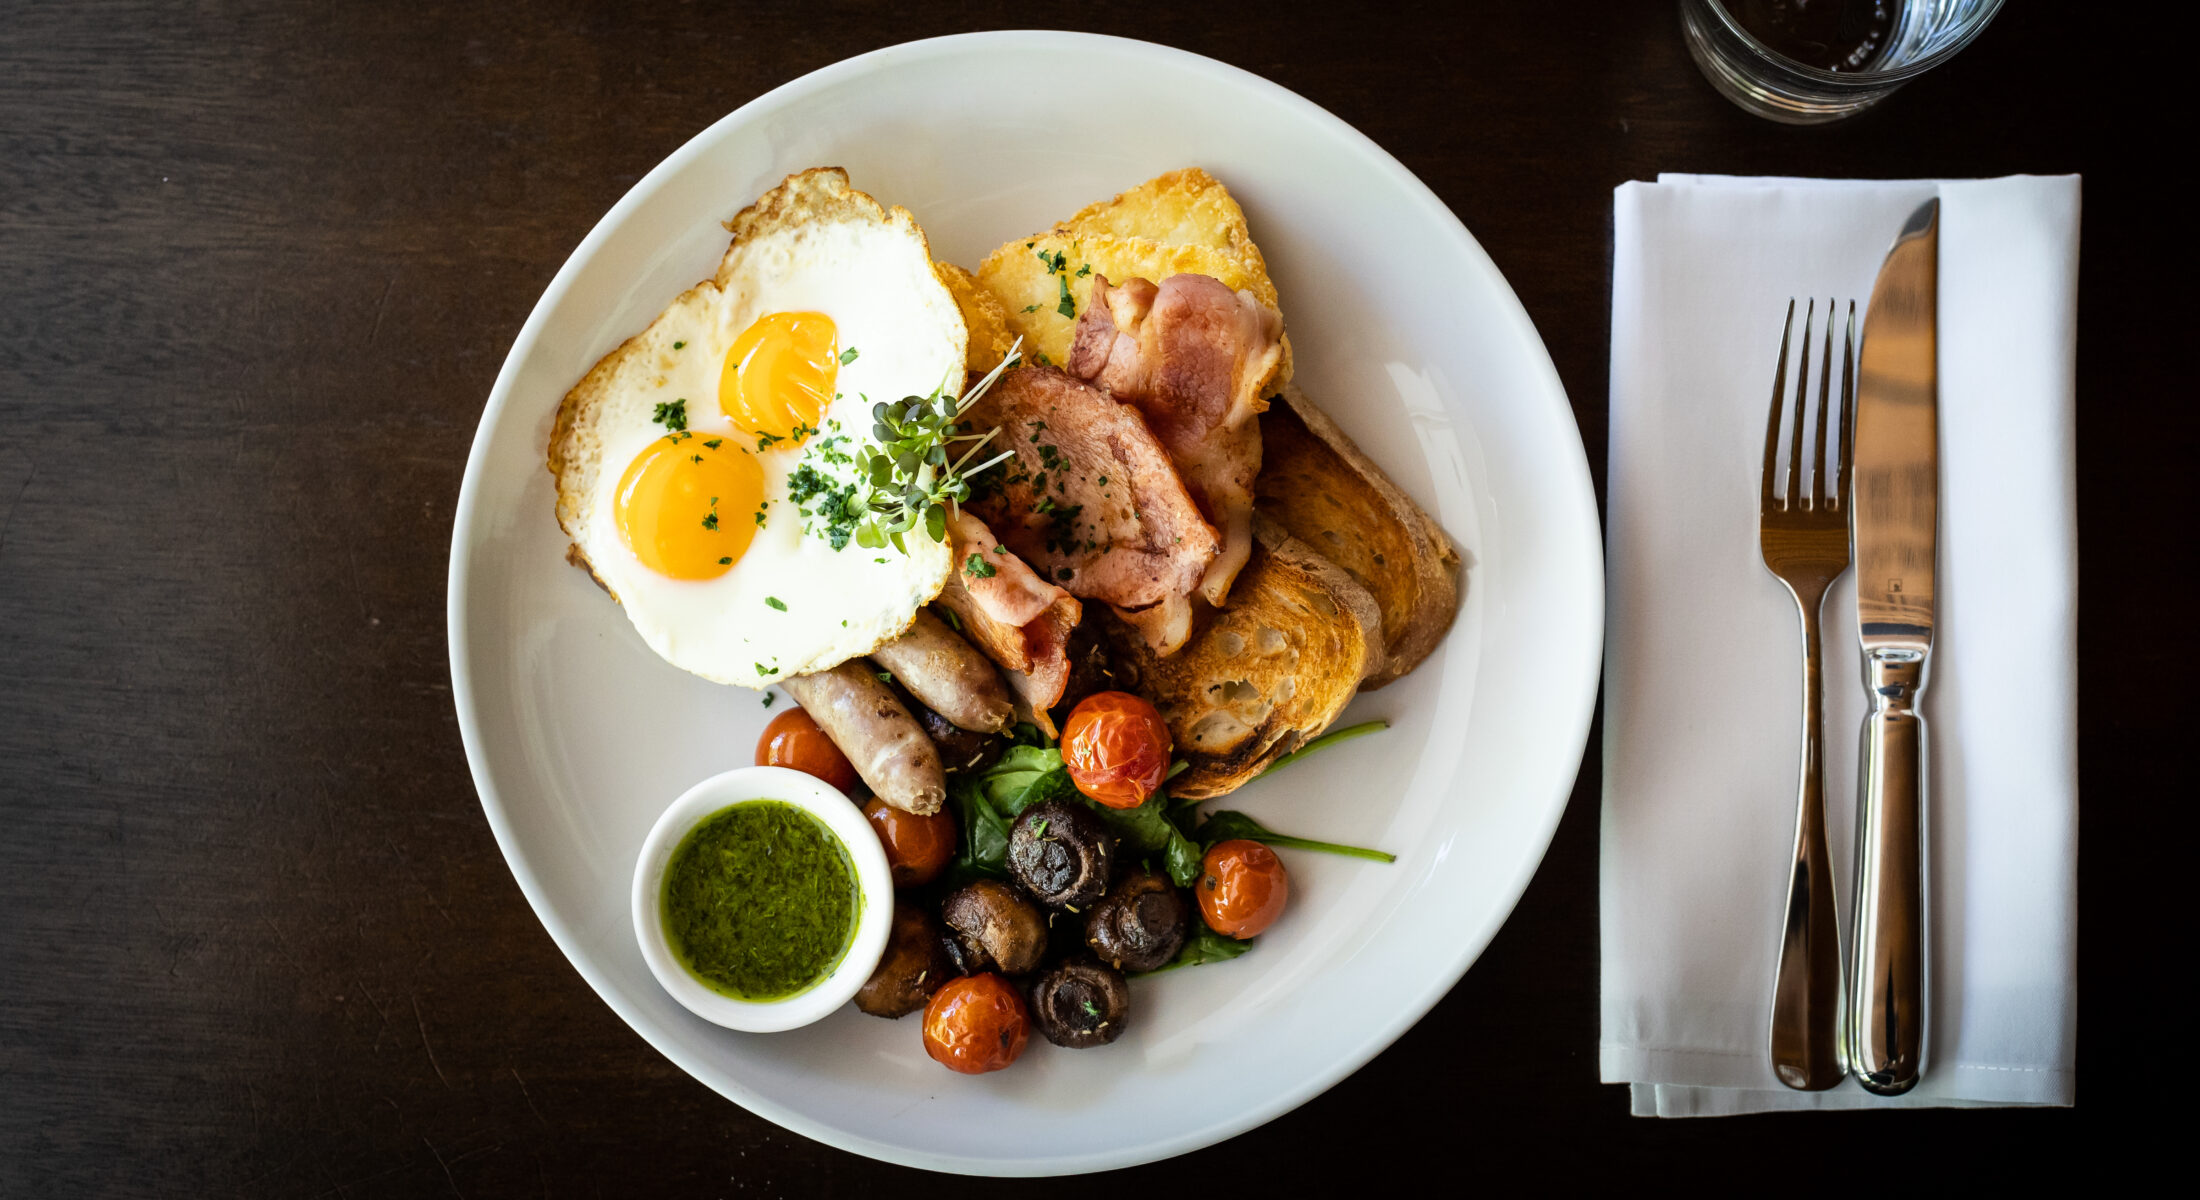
<point>1702,692</point>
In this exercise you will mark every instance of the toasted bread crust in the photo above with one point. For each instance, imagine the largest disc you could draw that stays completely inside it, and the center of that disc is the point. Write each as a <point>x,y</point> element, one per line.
<point>1320,486</point>
<point>1263,676</point>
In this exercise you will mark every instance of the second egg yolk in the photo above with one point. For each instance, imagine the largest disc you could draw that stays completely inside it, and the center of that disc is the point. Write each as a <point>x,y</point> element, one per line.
<point>688,508</point>
<point>779,376</point>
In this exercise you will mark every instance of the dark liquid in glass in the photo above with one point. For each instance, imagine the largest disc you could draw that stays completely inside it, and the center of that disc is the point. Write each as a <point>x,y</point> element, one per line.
<point>1831,35</point>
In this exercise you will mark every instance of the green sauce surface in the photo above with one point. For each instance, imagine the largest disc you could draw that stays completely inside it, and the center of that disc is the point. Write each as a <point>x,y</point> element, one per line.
<point>760,901</point>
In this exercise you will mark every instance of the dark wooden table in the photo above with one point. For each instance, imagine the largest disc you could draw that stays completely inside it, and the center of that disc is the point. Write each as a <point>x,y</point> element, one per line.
<point>260,264</point>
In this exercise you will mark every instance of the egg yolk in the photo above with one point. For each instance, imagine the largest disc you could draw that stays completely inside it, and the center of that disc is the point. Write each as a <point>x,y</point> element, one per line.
<point>779,375</point>
<point>688,509</point>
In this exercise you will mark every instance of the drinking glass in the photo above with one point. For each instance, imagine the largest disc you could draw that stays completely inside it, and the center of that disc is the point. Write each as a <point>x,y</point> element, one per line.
<point>1922,35</point>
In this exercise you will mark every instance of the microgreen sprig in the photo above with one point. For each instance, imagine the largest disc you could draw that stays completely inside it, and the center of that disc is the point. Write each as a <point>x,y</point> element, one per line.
<point>908,472</point>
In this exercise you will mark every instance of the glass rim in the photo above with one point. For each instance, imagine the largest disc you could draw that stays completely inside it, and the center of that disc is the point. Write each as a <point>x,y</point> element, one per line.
<point>1987,11</point>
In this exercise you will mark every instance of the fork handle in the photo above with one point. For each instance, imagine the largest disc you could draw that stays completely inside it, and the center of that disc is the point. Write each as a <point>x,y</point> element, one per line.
<point>1887,979</point>
<point>1806,997</point>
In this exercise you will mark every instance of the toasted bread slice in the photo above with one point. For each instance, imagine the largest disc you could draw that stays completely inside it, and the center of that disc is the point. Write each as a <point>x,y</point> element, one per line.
<point>1319,486</point>
<point>1260,678</point>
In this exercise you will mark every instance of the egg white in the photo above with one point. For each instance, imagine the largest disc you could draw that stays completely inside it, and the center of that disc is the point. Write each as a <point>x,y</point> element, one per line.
<point>877,284</point>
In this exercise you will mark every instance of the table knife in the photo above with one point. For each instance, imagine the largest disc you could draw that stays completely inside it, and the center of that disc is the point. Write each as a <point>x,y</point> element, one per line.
<point>1894,532</point>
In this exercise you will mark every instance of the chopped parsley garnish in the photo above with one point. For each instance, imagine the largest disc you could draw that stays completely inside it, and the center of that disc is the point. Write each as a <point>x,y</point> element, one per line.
<point>714,443</point>
<point>1067,307</point>
<point>776,602</point>
<point>726,561</point>
<point>711,522</point>
<point>1084,270</point>
<point>769,697</point>
<point>672,416</point>
<point>977,568</point>
<point>679,345</point>
<point>761,669</point>
<point>765,441</point>
<point>847,356</point>
<point>1032,308</point>
<point>835,503</point>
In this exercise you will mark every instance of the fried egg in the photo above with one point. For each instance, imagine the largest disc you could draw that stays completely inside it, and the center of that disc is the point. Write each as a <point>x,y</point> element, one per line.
<point>696,463</point>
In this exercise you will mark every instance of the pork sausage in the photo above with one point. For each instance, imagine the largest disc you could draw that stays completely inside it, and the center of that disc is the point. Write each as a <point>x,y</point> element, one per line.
<point>949,675</point>
<point>863,717</point>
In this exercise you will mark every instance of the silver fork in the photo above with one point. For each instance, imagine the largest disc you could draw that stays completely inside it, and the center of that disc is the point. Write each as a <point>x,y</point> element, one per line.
<point>1805,542</point>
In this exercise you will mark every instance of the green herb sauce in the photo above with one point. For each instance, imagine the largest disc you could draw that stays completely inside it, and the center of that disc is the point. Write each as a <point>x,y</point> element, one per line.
<point>761,901</point>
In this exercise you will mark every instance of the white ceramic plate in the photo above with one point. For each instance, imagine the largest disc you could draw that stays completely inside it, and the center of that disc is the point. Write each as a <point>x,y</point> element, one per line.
<point>579,736</point>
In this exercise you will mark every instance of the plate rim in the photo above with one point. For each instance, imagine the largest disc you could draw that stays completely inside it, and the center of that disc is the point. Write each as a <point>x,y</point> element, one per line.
<point>1579,485</point>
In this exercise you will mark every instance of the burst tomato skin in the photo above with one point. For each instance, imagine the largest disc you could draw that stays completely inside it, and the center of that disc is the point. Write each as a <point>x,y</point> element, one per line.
<point>917,848</point>
<point>1117,748</point>
<point>794,740</point>
<point>1242,888</point>
<point>977,1023</point>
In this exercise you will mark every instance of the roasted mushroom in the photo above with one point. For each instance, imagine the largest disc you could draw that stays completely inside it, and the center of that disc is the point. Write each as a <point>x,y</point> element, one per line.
<point>960,749</point>
<point>1081,1004</point>
<point>914,966</point>
<point>1140,924</point>
<point>1061,853</point>
<point>996,928</point>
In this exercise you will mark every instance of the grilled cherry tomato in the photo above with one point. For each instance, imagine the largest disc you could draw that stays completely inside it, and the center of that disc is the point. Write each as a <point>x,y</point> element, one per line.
<point>1242,888</point>
<point>977,1023</point>
<point>794,740</point>
<point>917,848</point>
<point>1117,749</point>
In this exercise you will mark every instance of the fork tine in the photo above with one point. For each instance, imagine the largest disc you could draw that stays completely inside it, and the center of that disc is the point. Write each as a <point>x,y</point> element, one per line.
<point>1848,406</point>
<point>1820,461</point>
<point>1772,424</point>
<point>1802,400</point>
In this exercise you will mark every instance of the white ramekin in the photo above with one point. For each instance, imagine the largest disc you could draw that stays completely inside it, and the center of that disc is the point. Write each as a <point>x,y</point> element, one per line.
<point>874,883</point>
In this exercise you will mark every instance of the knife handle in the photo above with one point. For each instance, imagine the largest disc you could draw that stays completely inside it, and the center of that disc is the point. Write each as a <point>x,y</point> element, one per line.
<point>1886,1010</point>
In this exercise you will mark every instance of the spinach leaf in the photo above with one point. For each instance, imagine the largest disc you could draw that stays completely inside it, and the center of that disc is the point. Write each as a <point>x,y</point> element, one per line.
<point>1223,826</point>
<point>1204,945</point>
<point>987,804</point>
<point>1148,830</point>
<point>1331,738</point>
<point>983,849</point>
<point>1024,776</point>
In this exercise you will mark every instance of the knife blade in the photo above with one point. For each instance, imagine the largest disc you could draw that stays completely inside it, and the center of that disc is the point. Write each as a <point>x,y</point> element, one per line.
<point>1894,533</point>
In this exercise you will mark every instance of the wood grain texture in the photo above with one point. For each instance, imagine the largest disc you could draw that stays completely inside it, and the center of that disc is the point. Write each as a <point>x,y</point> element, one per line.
<point>261,263</point>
